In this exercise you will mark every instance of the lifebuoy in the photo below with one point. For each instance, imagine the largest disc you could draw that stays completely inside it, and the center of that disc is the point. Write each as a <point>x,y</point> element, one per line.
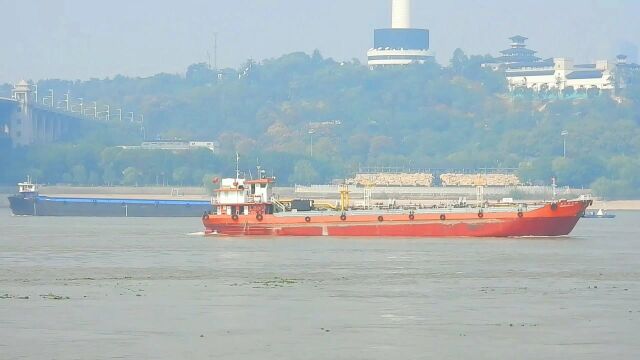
<point>307,219</point>
<point>480,214</point>
<point>234,217</point>
<point>259,217</point>
<point>442,217</point>
<point>520,214</point>
<point>380,218</point>
<point>554,206</point>
<point>411,217</point>
<point>343,217</point>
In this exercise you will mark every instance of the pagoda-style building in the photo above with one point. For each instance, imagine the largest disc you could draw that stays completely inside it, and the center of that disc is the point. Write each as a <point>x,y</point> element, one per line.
<point>518,52</point>
<point>625,71</point>
<point>524,70</point>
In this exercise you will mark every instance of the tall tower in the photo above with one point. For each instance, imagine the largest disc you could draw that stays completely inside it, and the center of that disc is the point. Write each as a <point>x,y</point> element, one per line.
<point>401,14</point>
<point>401,44</point>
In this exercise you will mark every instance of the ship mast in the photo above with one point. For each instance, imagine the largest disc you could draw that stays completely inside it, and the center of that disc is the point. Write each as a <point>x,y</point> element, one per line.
<point>237,167</point>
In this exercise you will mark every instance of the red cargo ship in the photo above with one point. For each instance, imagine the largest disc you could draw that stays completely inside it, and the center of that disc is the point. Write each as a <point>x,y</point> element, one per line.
<point>247,208</point>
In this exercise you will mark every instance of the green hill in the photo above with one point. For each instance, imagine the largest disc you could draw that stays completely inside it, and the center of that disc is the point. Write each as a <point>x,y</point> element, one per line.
<point>419,116</point>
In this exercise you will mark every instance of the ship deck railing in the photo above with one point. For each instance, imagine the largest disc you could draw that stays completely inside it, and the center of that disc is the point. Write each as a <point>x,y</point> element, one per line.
<point>438,210</point>
<point>435,191</point>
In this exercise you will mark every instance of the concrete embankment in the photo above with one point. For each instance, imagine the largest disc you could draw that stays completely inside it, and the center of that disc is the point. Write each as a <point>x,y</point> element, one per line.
<point>617,205</point>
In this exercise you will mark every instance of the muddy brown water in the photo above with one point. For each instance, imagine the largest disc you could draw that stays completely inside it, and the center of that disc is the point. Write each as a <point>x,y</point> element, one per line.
<point>83,288</point>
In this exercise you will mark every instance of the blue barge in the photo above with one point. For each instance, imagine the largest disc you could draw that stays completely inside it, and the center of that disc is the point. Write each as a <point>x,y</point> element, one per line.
<point>29,202</point>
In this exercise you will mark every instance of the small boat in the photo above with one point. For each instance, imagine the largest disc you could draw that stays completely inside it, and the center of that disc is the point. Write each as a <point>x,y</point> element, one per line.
<point>28,202</point>
<point>600,214</point>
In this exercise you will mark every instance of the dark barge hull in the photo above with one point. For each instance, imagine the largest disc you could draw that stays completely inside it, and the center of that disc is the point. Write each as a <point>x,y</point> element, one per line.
<point>99,207</point>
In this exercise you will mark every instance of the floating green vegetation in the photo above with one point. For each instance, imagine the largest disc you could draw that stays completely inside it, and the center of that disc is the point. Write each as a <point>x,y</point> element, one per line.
<point>51,296</point>
<point>276,282</point>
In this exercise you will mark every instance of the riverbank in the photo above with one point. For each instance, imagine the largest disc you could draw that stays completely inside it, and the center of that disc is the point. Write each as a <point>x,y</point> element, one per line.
<point>617,205</point>
<point>199,193</point>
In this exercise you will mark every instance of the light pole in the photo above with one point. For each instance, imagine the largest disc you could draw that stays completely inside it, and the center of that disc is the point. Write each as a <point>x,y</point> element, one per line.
<point>119,114</point>
<point>94,108</point>
<point>66,100</point>
<point>142,129</point>
<point>80,105</point>
<point>106,112</point>
<point>48,100</point>
<point>35,91</point>
<point>564,134</point>
<point>311,132</point>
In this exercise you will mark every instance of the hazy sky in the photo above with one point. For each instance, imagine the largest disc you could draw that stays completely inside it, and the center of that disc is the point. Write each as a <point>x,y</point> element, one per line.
<point>79,39</point>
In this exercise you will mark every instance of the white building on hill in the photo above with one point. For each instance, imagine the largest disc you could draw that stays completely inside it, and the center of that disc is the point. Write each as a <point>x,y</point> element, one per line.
<point>524,70</point>
<point>561,74</point>
<point>174,145</point>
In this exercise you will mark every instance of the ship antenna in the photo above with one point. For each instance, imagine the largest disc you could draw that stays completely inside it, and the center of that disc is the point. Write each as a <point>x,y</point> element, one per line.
<point>258,167</point>
<point>237,167</point>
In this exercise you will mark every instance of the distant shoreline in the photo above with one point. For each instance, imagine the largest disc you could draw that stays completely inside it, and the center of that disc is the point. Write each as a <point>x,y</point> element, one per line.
<point>616,204</point>
<point>199,193</point>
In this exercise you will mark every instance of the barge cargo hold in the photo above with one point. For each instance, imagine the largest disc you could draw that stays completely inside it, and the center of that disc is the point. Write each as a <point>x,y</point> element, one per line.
<point>29,202</point>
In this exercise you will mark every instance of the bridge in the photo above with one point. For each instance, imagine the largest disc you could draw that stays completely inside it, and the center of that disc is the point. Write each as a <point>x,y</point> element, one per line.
<point>26,121</point>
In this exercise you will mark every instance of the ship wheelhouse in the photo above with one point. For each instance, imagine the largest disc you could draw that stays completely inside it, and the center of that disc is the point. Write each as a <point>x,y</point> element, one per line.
<point>27,189</point>
<point>243,197</point>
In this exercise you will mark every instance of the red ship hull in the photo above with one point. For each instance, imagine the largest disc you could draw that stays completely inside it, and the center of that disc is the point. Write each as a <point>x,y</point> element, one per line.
<point>555,219</point>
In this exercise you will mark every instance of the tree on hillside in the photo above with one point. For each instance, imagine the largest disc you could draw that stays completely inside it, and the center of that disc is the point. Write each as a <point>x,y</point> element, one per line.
<point>303,173</point>
<point>131,176</point>
<point>422,115</point>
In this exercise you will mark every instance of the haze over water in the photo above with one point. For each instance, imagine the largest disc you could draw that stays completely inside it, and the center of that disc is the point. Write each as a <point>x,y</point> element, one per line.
<point>143,288</point>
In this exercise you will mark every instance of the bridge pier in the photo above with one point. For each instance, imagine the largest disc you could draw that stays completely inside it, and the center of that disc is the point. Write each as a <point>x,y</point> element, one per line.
<point>47,126</point>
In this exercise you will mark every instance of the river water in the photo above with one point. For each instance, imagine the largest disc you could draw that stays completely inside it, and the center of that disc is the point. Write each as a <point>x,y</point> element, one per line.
<point>84,288</point>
